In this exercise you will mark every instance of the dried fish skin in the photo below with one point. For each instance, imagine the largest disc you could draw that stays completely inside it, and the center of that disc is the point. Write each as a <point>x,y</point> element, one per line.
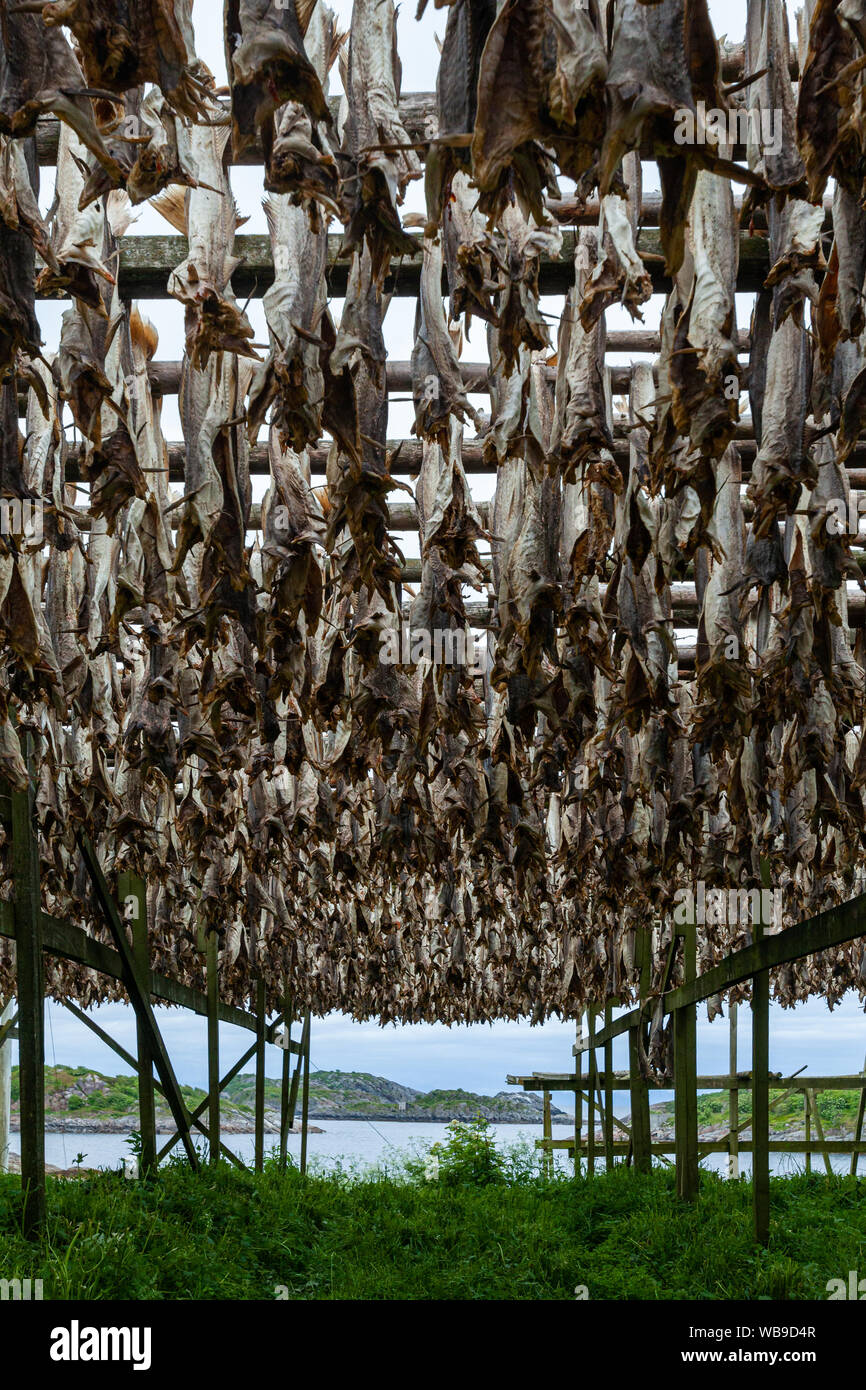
<point>470,255</point>
<point>124,45</point>
<point>302,156</point>
<point>540,84</point>
<point>437,384</point>
<point>268,66</point>
<point>466,31</point>
<point>663,58</point>
<point>373,135</point>
<point>783,465</point>
<point>621,277</point>
<point>581,439</point>
<point>202,282</point>
<point>78,240</point>
<point>39,74</point>
<point>830,100</point>
<point>19,327</point>
<point>291,377</point>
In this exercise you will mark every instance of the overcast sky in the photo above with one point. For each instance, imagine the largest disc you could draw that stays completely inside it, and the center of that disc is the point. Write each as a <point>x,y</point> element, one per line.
<point>477,1058</point>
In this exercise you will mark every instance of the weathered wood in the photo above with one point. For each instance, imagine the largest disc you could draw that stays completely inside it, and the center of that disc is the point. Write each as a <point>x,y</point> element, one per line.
<point>305,1102</point>
<point>31,1001</point>
<point>285,1078</point>
<point>136,987</point>
<point>578,1104</point>
<point>547,1133</point>
<point>685,1078</point>
<point>858,1128</point>
<point>734,1095</point>
<point>213,1046</point>
<point>591,1076</point>
<point>608,1093</point>
<point>147,261</point>
<point>133,896</point>
<point>259,1161</point>
<point>621,1081</point>
<point>761,1095</point>
<point>834,927</point>
<point>640,1107</point>
<point>64,939</point>
<point>8,1015</point>
<point>819,1127</point>
<point>720,1146</point>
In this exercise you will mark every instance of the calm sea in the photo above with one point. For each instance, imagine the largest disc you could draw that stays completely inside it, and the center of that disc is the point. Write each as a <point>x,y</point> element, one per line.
<point>360,1143</point>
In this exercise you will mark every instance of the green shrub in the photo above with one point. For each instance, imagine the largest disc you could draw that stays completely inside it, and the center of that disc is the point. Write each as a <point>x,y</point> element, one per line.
<point>469,1156</point>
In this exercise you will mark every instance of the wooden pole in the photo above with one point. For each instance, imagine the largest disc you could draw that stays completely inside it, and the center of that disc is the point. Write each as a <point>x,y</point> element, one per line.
<point>132,892</point>
<point>578,1102</point>
<point>139,997</point>
<point>639,1091</point>
<point>685,1079</point>
<point>6,1015</point>
<point>590,1090</point>
<point>733,1096</point>
<point>213,1047</point>
<point>807,1129</point>
<point>548,1135</point>
<point>819,1129</point>
<point>608,1091</point>
<point>761,1094</point>
<point>858,1128</point>
<point>31,1001</point>
<point>285,1080</point>
<point>305,1103</point>
<point>260,1075</point>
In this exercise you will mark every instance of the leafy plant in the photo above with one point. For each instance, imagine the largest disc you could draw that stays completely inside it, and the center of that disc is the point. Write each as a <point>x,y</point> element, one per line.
<point>469,1156</point>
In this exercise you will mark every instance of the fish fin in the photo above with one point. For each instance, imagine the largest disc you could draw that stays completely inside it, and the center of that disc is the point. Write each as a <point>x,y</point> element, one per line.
<point>171,203</point>
<point>143,333</point>
<point>304,11</point>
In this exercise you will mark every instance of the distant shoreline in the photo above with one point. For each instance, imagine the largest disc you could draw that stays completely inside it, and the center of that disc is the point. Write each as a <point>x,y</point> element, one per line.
<point>126,1124</point>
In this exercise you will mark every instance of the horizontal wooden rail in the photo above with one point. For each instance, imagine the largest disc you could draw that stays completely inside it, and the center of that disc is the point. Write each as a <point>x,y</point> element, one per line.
<point>63,939</point>
<point>619,1081</point>
<point>147,261</point>
<point>834,927</point>
<point>709,1146</point>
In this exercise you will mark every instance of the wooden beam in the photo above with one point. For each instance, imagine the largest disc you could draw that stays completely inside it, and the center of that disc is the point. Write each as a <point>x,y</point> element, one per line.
<point>259,1159</point>
<point>608,1094</point>
<point>64,939</point>
<point>734,1095</point>
<point>6,1029</point>
<point>31,1000</point>
<point>858,1129</point>
<point>132,892</point>
<point>136,988</point>
<point>213,1045</point>
<point>147,261</point>
<point>591,1081</point>
<point>760,1091</point>
<point>685,1078</point>
<point>305,1101</point>
<point>640,1107</point>
<point>285,1076</point>
<point>834,927</point>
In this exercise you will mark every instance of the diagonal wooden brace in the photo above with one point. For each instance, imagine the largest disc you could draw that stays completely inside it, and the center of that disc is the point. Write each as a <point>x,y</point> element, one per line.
<point>140,999</point>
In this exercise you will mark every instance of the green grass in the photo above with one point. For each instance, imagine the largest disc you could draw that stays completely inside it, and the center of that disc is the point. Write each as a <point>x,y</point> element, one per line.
<point>229,1235</point>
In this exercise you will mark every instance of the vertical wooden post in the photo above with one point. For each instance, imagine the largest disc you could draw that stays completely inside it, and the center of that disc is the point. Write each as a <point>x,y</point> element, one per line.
<point>305,1103</point>
<point>608,1092</point>
<point>31,1001</point>
<point>213,1047</point>
<point>685,1079</point>
<point>6,1013</point>
<point>858,1128</point>
<point>761,1093</point>
<point>285,1079</point>
<point>819,1129</point>
<point>578,1101</point>
<point>807,1129</point>
<point>733,1096</point>
<point>641,1132</point>
<point>548,1136</point>
<point>590,1090</point>
<point>260,1075</point>
<point>132,892</point>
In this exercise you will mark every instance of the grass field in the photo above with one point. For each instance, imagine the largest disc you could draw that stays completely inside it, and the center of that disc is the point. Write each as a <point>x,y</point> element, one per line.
<point>484,1228</point>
